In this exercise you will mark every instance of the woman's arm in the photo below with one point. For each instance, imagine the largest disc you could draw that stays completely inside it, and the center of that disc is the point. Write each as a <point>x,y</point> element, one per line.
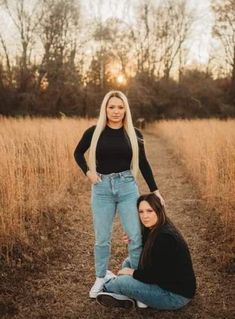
<point>163,252</point>
<point>81,149</point>
<point>162,256</point>
<point>145,167</point>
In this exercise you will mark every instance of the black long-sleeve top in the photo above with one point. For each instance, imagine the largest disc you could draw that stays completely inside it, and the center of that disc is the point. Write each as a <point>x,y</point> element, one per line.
<point>114,153</point>
<point>170,264</point>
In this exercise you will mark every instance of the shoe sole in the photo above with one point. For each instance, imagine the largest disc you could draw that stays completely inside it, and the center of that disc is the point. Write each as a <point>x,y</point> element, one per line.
<point>141,307</point>
<point>93,295</point>
<point>110,301</point>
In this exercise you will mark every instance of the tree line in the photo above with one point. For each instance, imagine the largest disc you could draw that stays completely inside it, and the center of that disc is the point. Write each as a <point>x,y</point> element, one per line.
<point>65,62</point>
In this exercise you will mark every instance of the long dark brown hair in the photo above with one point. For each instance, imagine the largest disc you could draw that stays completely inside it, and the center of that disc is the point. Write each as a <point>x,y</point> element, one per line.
<point>159,209</point>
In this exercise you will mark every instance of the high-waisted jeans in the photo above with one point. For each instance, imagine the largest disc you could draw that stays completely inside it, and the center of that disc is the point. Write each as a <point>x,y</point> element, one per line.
<point>150,294</point>
<point>117,192</point>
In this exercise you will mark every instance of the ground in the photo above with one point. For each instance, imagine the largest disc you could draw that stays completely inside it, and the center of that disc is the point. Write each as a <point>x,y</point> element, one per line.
<point>59,288</point>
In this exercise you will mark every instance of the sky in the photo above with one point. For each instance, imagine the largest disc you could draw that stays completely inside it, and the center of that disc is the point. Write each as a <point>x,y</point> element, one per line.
<point>198,48</point>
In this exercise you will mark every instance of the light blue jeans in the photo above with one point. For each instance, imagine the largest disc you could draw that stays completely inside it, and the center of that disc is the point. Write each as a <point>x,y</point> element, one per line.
<point>150,294</point>
<point>117,192</point>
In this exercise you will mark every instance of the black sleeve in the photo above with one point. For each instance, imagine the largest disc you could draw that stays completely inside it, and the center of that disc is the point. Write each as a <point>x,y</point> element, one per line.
<point>145,168</point>
<point>82,147</point>
<point>162,254</point>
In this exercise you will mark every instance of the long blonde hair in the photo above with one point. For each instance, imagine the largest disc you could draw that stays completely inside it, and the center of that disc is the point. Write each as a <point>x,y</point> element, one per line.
<point>128,127</point>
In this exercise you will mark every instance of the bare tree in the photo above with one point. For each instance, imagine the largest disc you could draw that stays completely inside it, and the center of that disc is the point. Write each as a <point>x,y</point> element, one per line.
<point>163,31</point>
<point>58,32</point>
<point>176,23</point>
<point>143,37</point>
<point>8,64</point>
<point>224,30</point>
<point>121,51</point>
<point>26,21</point>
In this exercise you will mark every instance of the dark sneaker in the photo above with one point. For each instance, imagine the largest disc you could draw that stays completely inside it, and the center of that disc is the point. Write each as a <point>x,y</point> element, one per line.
<point>114,300</point>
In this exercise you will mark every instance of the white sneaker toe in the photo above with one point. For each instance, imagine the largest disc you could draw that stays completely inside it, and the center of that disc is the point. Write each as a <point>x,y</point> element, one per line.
<point>97,287</point>
<point>140,304</point>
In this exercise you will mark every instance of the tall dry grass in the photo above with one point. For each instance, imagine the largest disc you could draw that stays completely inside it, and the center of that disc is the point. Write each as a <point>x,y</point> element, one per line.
<point>37,168</point>
<point>207,149</point>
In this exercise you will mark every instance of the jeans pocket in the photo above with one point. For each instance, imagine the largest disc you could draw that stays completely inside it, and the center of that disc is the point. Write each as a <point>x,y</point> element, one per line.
<point>98,183</point>
<point>128,178</point>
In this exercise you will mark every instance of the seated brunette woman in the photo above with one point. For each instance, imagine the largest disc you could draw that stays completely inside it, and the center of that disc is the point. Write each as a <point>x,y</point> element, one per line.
<point>165,278</point>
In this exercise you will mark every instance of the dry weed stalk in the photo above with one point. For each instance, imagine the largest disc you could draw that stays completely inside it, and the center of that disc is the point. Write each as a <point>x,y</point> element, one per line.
<point>36,170</point>
<point>207,149</point>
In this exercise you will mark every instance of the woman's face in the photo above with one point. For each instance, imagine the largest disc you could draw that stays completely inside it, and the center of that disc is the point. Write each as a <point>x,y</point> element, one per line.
<point>148,217</point>
<point>115,111</point>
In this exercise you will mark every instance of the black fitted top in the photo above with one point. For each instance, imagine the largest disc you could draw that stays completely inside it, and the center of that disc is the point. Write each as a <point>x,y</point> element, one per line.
<point>114,153</point>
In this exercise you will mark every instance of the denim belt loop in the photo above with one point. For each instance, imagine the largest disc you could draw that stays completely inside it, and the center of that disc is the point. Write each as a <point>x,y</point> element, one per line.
<point>121,176</point>
<point>100,175</point>
<point>111,176</point>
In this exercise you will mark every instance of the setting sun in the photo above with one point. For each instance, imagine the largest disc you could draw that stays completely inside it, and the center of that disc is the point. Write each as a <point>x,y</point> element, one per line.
<point>121,79</point>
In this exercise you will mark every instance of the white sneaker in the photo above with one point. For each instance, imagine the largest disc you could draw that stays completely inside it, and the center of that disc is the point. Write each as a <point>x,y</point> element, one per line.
<point>109,275</point>
<point>114,300</point>
<point>99,284</point>
<point>97,287</point>
<point>141,304</point>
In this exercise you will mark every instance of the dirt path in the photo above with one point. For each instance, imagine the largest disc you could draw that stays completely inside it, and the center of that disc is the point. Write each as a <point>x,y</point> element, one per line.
<point>61,290</point>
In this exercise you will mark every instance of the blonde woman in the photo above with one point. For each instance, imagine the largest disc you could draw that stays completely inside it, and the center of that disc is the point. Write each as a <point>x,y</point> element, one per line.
<point>116,153</point>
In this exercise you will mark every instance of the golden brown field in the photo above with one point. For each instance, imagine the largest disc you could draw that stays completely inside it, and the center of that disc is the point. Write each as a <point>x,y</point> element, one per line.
<point>37,167</point>
<point>36,170</point>
<point>46,214</point>
<point>207,150</point>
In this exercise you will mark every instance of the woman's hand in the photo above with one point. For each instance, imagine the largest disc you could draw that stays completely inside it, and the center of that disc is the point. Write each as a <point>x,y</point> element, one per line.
<point>93,177</point>
<point>126,239</point>
<point>126,271</point>
<point>157,193</point>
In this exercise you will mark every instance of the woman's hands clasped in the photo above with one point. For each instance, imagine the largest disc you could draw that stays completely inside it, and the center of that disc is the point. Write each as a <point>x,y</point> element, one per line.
<point>93,177</point>
<point>126,271</point>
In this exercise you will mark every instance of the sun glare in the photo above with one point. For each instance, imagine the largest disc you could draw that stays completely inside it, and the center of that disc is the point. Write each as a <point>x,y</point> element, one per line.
<point>121,79</point>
